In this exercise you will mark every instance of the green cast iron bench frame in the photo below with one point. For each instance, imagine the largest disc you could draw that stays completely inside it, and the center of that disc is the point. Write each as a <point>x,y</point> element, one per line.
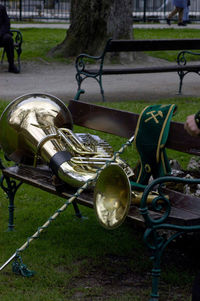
<point>180,213</point>
<point>85,71</point>
<point>17,38</point>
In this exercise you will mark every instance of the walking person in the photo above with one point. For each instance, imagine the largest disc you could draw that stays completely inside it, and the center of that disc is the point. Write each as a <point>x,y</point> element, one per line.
<point>179,8</point>
<point>6,39</point>
<point>186,13</point>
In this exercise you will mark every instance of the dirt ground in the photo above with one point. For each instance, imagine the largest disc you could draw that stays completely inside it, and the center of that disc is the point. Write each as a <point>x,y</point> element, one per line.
<point>114,279</point>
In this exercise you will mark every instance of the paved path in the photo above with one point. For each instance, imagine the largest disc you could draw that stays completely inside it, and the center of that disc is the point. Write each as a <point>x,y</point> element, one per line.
<point>136,25</point>
<point>59,80</point>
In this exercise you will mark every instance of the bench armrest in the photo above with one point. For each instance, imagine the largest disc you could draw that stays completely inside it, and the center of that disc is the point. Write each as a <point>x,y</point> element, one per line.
<point>181,57</point>
<point>161,204</point>
<point>17,37</point>
<point>83,59</point>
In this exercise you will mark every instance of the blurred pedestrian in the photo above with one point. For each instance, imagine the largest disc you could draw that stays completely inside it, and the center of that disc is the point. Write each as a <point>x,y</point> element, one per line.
<point>179,8</point>
<point>186,11</point>
<point>6,39</point>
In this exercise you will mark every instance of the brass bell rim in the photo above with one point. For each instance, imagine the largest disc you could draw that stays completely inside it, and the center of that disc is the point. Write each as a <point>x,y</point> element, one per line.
<point>118,173</point>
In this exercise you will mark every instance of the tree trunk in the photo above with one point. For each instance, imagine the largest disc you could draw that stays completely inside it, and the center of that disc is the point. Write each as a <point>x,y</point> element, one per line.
<point>92,23</point>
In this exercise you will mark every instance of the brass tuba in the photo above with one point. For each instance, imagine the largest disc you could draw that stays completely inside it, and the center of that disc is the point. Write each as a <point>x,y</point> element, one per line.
<point>37,128</point>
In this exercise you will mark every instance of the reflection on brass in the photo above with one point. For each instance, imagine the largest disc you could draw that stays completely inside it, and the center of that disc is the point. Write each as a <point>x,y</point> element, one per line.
<point>136,197</point>
<point>112,196</point>
<point>38,128</point>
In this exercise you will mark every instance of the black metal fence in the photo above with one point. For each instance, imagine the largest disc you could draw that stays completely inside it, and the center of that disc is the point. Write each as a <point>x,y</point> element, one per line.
<point>143,10</point>
<point>37,9</point>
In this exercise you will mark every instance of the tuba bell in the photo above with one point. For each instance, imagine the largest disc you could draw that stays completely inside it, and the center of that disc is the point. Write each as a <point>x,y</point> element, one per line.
<point>38,129</point>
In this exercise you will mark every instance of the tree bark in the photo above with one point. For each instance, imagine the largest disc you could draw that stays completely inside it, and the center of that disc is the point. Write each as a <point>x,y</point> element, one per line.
<point>92,23</point>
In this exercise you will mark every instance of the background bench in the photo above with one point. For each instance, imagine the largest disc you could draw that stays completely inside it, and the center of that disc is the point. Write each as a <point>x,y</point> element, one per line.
<point>180,214</point>
<point>17,38</point>
<point>83,70</point>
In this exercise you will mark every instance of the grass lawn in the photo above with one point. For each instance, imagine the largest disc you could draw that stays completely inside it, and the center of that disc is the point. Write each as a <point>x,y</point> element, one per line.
<point>38,42</point>
<point>77,259</point>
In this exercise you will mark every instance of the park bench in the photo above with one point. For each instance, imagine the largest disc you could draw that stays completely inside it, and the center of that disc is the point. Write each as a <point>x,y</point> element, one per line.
<point>17,38</point>
<point>84,70</point>
<point>180,213</point>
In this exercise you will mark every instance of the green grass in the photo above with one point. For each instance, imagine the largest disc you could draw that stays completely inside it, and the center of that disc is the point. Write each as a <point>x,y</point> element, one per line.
<point>171,33</point>
<point>38,42</point>
<point>73,258</point>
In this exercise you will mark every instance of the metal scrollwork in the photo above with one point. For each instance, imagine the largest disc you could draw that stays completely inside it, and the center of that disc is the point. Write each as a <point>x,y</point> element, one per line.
<point>10,189</point>
<point>161,204</point>
<point>181,59</point>
<point>80,64</point>
<point>156,216</point>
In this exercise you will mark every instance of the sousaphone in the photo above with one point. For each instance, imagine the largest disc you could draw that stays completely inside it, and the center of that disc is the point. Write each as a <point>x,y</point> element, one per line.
<point>37,129</point>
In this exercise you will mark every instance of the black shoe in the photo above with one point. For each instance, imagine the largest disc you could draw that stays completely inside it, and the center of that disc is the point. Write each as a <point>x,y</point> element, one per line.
<point>13,69</point>
<point>182,24</point>
<point>168,21</point>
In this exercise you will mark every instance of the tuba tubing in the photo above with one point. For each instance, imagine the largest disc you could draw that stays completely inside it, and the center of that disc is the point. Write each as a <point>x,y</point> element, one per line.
<point>38,129</point>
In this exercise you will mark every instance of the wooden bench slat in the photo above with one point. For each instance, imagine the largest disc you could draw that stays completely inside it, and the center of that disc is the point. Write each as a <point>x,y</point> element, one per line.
<point>152,45</point>
<point>148,69</point>
<point>107,120</point>
<point>185,202</point>
<point>183,210</point>
<point>122,123</point>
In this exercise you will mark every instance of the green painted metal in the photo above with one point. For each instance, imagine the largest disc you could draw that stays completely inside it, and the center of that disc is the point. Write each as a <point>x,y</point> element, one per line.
<point>10,187</point>
<point>82,73</point>
<point>152,237</point>
<point>182,61</point>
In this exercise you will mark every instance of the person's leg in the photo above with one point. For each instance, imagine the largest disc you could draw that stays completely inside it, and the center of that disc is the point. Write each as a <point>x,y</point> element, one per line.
<point>185,14</point>
<point>180,16</point>
<point>173,13</point>
<point>7,43</point>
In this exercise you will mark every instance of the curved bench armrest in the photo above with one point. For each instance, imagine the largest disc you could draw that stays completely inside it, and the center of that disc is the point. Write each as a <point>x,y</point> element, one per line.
<point>161,204</point>
<point>182,56</point>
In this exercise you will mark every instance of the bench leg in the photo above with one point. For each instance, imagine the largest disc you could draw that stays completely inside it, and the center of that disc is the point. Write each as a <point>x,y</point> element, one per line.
<point>10,189</point>
<point>181,76</point>
<point>2,57</point>
<point>155,280</point>
<point>76,209</point>
<point>18,59</point>
<point>157,244</point>
<point>101,88</point>
<point>78,93</point>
